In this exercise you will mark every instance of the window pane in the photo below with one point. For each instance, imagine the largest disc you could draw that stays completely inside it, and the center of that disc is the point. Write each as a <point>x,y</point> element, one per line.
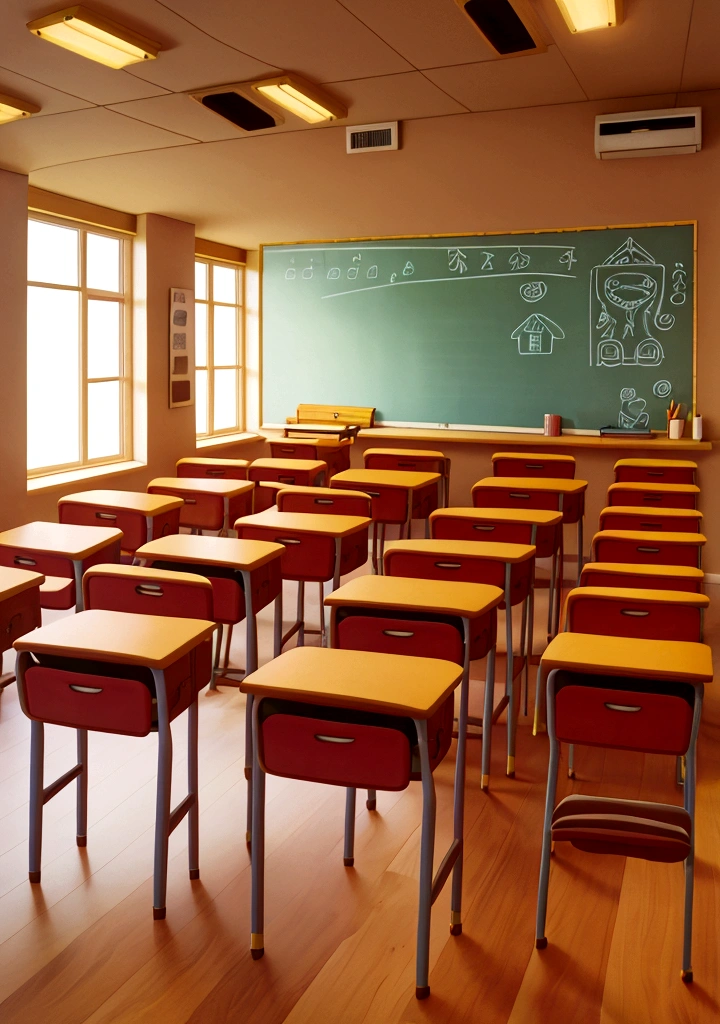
<point>224,336</point>
<point>52,253</point>
<point>53,352</point>
<point>201,334</point>
<point>201,423</point>
<point>103,332</point>
<point>225,405</point>
<point>224,281</point>
<point>103,419</point>
<point>201,280</point>
<point>103,263</point>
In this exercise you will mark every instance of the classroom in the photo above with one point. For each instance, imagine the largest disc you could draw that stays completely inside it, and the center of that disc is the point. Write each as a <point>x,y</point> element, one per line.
<point>202,255</point>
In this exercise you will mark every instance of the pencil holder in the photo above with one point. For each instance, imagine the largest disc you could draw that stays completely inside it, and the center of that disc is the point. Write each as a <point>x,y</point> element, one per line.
<point>675,429</point>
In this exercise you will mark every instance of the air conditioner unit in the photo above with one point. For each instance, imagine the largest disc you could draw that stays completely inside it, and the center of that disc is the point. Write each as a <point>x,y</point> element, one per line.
<point>648,133</point>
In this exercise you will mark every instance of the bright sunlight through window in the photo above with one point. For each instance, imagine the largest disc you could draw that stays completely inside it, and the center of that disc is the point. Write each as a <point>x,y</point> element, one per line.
<point>218,348</point>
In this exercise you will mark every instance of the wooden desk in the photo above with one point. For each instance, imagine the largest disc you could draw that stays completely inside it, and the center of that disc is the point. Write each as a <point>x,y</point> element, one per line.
<point>200,496</point>
<point>48,547</point>
<point>378,684</point>
<point>410,460</point>
<point>338,430</point>
<point>140,516</point>
<point>19,610</point>
<point>218,469</point>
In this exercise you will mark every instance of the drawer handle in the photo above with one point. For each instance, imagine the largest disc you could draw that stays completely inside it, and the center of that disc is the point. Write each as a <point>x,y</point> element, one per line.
<point>649,551</point>
<point>214,472</point>
<point>652,497</point>
<point>648,526</point>
<point>373,494</point>
<point>149,590</point>
<point>106,515</point>
<point>334,739</point>
<point>324,501</point>
<point>286,480</point>
<point>24,561</point>
<point>287,451</point>
<point>403,634</point>
<point>448,565</point>
<point>518,494</point>
<point>635,612</point>
<point>534,465</point>
<point>407,465</point>
<point>656,472</point>
<point>287,540</point>
<point>190,501</point>
<point>86,689</point>
<point>483,526</point>
<point>623,707</point>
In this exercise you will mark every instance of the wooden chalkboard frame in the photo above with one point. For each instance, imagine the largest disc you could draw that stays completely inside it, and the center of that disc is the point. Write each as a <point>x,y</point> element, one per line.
<point>490,234</point>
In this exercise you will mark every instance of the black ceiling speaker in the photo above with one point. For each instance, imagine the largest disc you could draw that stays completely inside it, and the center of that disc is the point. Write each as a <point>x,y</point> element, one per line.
<point>510,27</point>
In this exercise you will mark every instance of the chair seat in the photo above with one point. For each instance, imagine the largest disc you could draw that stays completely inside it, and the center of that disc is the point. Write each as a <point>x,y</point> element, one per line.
<point>57,592</point>
<point>628,828</point>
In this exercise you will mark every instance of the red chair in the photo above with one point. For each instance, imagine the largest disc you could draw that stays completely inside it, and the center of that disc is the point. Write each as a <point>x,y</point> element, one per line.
<point>657,471</point>
<point>648,548</point>
<point>214,469</point>
<point>561,467</point>
<point>654,495</point>
<point>303,472</point>
<point>632,517</point>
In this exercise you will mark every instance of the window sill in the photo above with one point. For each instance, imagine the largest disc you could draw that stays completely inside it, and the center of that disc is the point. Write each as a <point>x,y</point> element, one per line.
<point>46,483</point>
<point>244,437</point>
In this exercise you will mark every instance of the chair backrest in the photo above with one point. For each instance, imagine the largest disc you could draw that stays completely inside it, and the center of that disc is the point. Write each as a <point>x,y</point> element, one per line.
<point>644,614</point>
<point>132,588</point>
<point>353,415</point>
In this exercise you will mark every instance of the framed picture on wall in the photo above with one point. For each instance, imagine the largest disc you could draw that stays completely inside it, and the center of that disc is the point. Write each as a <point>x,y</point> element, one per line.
<point>181,347</point>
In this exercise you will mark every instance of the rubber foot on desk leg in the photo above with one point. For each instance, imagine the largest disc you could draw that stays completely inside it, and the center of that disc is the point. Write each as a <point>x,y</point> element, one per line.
<point>687,976</point>
<point>194,874</point>
<point>371,805</point>
<point>257,954</point>
<point>422,991</point>
<point>456,929</point>
<point>34,876</point>
<point>571,773</point>
<point>485,783</point>
<point>159,913</point>
<point>248,772</point>
<point>248,838</point>
<point>541,943</point>
<point>349,862</point>
<point>81,840</point>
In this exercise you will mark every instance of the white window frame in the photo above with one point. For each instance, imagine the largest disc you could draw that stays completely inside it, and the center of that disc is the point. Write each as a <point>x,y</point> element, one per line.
<point>124,297</point>
<point>209,367</point>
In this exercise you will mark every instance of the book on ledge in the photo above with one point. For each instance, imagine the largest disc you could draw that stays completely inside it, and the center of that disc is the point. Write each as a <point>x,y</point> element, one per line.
<point>626,432</point>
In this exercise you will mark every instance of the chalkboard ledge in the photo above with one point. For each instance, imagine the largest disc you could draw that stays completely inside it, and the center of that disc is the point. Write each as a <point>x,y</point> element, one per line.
<point>659,442</point>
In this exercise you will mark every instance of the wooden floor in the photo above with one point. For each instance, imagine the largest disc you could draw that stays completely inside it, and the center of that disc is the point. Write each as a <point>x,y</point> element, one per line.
<point>340,943</point>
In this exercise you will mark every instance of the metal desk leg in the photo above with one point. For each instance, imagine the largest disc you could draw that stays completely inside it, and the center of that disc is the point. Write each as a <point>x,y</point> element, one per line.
<point>580,548</point>
<point>488,718</point>
<point>427,844</point>
<point>509,684</point>
<point>257,912</point>
<point>349,847</point>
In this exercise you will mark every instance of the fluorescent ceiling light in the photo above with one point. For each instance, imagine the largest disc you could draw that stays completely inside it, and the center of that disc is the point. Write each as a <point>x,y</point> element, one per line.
<point>12,109</point>
<point>301,98</point>
<point>94,37</point>
<point>584,15</point>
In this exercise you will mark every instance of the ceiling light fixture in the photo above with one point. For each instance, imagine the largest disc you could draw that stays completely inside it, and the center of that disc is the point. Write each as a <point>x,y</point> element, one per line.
<point>12,109</point>
<point>94,37</point>
<point>301,98</point>
<point>584,15</point>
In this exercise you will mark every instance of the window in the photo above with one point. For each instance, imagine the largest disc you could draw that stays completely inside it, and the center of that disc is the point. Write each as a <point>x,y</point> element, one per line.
<point>218,348</point>
<point>77,346</point>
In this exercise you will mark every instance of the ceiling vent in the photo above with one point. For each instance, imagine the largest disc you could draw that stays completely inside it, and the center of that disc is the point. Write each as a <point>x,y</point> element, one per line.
<point>369,138</point>
<point>648,133</point>
<point>509,27</point>
<point>238,105</point>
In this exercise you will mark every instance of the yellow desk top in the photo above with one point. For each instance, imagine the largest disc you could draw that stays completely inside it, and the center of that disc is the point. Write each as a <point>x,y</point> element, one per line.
<point>676,660</point>
<point>640,511</point>
<point>487,550</point>
<point>319,492</point>
<point>534,483</point>
<point>305,522</point>
<point>154,641</point>
<point>291,465</point>
<point>14,581</point>
<point>199,485</point>
<point>234,554</point>
<point>397,478</point>
<point>391,684</point>
<point>640,569</point>
<point>414,453</point>
<point>127,501</point>
<point>468,600</point>
<point>621,595</point>
<point>142,573</point>
<point>70,541</point>
<point>196,461</point>
<point>332,443</point>
<point>540,517</point>
<point>656,463</point>
<point>652,537</point>
<point>659,488</point>
<point>530,457</point>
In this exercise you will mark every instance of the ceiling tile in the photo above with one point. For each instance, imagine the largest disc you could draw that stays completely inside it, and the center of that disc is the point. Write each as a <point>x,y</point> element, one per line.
<point>522,82</point>
<point>427,33</point>
<point>393,98</point>
<point>641,56</point>
<point>179,113</point>
<point>323,41</point>
<point>50,101</point>
<point>702,58</point>
<point>80,135</point>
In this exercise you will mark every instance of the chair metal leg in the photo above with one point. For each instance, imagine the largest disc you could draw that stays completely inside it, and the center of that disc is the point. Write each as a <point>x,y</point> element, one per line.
<point>162,818</point>
<point>459,792</point>
<point>257,910</point>
<point>374,548</point>
<point>82,788</point>
<point>509,682</point>
<point>37,759</point>
<point>689,805</point>
<point>301,614</point>
<point>543,885</point>
<point>193,791</point>
<point>557,606</point>
<point>371,802</point>
<point>488,718</point>
<point>381,552</point>
<point>551,596</point>
<point>323,627</point>
<point>248,763</point>
<point>523,658</point>
<point>349,848</point>
<point>427,844</point>
<point>217,640</point>
<point>580,548</point>
<point>228,639</point>
<point>277,626</point>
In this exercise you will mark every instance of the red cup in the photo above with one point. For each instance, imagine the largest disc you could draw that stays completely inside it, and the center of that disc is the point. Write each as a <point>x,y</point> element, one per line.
<point>553,425</point>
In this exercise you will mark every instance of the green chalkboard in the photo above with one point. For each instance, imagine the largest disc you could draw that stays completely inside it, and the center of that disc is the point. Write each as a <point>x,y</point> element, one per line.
<point>484,330</point>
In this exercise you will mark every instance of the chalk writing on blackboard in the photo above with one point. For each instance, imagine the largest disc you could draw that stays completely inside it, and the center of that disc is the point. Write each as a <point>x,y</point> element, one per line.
<point>679,285</point>
<point>632,410</point>
<point>533,291</point>
<point>536,335</point>
<point>456,261</point>
<point>662,389</point>
<point>372,272</point>
<point>519,260</point>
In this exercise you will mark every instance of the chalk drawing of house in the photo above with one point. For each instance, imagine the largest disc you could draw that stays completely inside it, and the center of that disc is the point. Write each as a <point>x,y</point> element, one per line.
<point>535,336</point>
